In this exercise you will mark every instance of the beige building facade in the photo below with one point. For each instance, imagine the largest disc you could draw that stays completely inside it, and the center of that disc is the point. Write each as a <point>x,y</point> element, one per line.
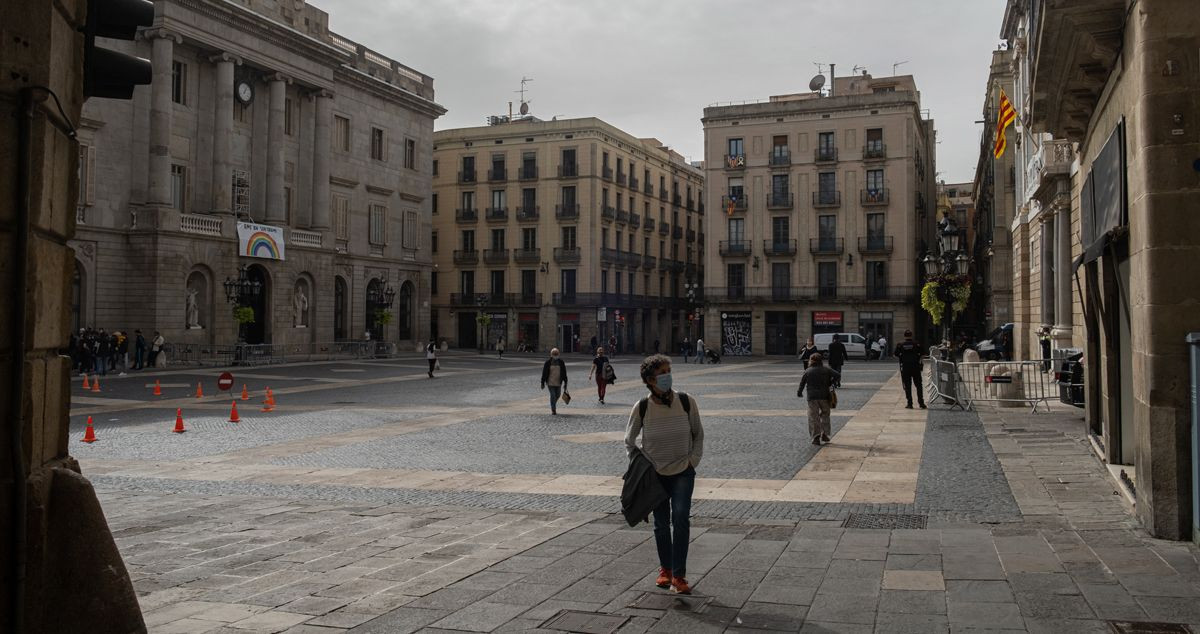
<point>258,116</point>
<point>550,233</point>
<point>822,207</point>
<point>1106,88</point>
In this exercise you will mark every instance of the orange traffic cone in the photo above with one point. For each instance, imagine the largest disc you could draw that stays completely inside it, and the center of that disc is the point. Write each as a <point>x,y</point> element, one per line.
<point>157,388</point>
<point>270,396</point>
<point>199,390</point>
<point>96,385</point>
<point>245,394</point>
<point>179,421</point>
<point>268,406</point>
<point>90,434</point>
<point>86,385</point>
<point>233,415</point>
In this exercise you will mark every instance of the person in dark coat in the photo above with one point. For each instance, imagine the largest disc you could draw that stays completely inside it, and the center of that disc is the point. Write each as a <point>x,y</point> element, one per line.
<point>837,358</point>
<point>807,351</point>
<point>103,352</point>
<point>597,369</point>
<point>909,353</point>
<point>820,382</point>
<point>554,376</point>
<point>139,350</point>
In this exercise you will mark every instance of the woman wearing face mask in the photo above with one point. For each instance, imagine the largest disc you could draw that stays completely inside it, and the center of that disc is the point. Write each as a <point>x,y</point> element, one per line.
<point>807,351</point>
<point>597,369</point>
<point>554,374</point>
<point>673,440</point>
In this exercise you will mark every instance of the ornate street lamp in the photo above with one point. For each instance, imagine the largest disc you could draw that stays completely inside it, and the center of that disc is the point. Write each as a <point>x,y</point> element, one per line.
<point>238,293</point>
<point>691,289</point>
<point>951,261</point>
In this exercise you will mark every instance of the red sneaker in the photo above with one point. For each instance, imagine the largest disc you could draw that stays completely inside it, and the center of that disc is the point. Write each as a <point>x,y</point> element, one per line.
<point>679,585</point>
<point>664,578</point>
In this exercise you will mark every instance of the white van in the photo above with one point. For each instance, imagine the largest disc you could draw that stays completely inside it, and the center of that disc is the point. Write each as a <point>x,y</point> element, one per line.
<point>856,344</point>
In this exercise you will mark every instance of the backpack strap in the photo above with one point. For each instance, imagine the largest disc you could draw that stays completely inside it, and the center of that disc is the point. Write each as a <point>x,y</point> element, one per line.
<point>642,405</point>
<point>683,400</point>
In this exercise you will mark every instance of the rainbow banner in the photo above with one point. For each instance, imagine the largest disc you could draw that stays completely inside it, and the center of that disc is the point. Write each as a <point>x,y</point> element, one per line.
<point>260,241</point>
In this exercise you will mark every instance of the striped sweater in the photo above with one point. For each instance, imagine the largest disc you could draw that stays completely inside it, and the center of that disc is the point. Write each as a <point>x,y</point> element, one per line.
<point>671,438</point>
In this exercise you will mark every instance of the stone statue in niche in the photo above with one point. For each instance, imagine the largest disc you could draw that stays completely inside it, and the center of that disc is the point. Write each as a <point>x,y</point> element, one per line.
<point>299,307</point>
<point>193,310</point>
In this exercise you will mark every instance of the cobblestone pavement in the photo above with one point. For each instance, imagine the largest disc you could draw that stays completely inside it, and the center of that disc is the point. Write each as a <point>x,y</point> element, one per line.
<point>358,506</point>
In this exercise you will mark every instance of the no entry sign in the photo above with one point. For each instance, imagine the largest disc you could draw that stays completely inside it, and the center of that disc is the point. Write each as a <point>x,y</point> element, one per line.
<point>225,381</point>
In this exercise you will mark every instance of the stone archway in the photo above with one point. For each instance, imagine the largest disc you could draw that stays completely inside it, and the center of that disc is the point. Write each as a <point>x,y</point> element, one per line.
<point>374,289</point>
<point>259,331</point>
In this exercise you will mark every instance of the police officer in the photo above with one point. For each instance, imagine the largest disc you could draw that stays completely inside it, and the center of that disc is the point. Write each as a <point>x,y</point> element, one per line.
<point>910,352</point>
<point>1044,340</point>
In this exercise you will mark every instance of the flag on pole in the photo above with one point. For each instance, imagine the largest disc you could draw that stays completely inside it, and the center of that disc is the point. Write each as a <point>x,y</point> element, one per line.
<point>1005,119</point>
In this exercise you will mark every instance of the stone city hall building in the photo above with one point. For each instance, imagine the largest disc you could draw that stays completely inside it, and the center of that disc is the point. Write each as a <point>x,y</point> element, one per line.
<point>558,231</point>
<point>258,118</point>
<point>822,201</point>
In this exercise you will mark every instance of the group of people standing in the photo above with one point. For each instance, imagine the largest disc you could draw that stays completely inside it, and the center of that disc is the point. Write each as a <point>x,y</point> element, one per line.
<point>101,352</point>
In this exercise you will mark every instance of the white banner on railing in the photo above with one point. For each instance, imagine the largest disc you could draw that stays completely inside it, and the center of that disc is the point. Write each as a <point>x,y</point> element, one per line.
<point>260,241</point>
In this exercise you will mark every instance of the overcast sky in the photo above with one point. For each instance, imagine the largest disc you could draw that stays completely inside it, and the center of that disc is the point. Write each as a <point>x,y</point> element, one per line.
<point>650,67</point>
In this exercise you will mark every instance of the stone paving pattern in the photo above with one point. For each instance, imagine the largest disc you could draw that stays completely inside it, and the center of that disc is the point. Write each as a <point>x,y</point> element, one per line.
<point>1026,532</point>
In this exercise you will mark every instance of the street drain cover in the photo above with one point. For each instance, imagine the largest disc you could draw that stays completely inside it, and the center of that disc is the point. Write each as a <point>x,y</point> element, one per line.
<point>884,522</point>
<point>585,622</point>
<point>669,601</point>
<point>1143,627</point>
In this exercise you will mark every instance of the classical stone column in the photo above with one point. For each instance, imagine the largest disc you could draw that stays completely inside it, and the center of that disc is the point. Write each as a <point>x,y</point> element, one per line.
<point>1063,318</point>
<point>321,141</point>
<point>222,180</point>
<point>159,192</point>
<point>276,213</point>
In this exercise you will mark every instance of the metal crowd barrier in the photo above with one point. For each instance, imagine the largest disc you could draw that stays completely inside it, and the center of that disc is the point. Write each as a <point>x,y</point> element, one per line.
<point>274,353</point>
<point>1002,382</point>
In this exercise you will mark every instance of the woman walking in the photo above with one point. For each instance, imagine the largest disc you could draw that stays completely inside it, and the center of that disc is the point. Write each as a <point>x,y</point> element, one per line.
<point>673,440</point>
<point>431,356</point>
<point>597,369</point>
<point>554,376</point>
<point>819,380</point>
<point>810,347</point>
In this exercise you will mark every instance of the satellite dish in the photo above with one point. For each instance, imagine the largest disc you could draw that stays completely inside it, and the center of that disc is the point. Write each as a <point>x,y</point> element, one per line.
<point>816,83</point>
<point>524,108</point>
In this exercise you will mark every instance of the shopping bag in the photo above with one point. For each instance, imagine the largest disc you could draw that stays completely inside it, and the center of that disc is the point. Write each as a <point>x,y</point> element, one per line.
<point>566,397</point>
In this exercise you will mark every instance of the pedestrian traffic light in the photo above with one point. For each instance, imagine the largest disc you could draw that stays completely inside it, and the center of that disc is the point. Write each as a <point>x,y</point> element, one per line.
<point>107,73</point>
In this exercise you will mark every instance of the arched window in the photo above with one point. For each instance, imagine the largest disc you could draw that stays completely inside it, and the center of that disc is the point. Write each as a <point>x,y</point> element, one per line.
<point>405,310</point>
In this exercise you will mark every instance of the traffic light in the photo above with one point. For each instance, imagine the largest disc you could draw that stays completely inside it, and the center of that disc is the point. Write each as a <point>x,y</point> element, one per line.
<point>108,73</point>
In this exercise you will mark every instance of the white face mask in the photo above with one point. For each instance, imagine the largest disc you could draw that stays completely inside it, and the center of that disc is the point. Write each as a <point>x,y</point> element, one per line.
<point>663,381</point>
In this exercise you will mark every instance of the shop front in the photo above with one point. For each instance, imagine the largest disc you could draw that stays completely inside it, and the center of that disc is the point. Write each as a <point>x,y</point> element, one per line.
<point>828,321</point>
<point>527,331</point>
<point>735,333</point>
<point>781,332</point>
<point>568,332</point>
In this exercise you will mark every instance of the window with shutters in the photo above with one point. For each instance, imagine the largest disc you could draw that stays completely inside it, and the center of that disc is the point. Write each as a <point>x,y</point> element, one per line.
<point>341,133</point>
<point>377,231</point>
<point>378,144</point>
<point>178,186</point>
<point>341,217</point>
<point>410,239</point>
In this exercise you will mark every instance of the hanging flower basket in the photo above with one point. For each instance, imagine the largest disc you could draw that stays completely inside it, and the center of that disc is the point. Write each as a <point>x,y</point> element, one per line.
<point>960,290</point>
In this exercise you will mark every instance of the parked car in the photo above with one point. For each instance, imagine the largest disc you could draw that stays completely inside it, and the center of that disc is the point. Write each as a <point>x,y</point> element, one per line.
<point>989,348</point>
<point>856,344</point>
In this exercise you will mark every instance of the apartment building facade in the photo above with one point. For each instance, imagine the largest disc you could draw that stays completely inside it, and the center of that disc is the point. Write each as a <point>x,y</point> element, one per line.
<point>550,233</point>
<point>822,205</point>
<point>268,150</point>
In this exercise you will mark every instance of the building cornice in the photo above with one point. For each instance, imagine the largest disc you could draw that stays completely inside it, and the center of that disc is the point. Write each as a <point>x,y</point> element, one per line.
<point>381,191</point>
<point>352,76</point>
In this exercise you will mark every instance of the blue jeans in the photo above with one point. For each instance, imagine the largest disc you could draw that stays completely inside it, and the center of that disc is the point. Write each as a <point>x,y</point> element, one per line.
<point>101,365</point>
<point>672,523</point>
<point>555,392</point>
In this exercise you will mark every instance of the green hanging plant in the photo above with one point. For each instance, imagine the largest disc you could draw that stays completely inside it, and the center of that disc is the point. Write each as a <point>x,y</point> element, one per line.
<point>483,319</point>
<point>243,315</point>
<point>960,291</point>
<point>383,317</point>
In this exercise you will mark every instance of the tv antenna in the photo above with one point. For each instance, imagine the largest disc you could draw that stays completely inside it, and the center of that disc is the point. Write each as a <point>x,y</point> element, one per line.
<point>524,103</point>
<point>818,82</point>
<point>858,68</point>
<point>897,65</point>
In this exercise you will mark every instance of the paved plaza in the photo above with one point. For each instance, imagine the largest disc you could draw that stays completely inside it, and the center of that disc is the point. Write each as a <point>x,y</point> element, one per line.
<point>374,499</point>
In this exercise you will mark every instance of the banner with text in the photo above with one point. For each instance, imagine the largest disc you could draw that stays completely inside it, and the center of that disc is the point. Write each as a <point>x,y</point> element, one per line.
<point>735,334</point>
<point>260,241</point>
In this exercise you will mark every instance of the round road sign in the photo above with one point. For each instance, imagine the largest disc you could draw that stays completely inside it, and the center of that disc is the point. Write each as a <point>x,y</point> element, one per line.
<point>225,381</point>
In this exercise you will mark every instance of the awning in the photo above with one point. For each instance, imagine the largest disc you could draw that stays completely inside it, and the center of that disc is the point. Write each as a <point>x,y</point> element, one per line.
<point>1096,249</point>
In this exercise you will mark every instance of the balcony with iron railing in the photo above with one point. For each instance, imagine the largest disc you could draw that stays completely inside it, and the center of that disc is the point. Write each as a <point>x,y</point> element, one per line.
<point>664,228</point>
<point>663,194</point>
<point>567,256</point>
<point>496,256</point>
<point>631,259</point>
<point>633,182</point>
<point>826,246</point>
<point>466,257</point>
<point>527,172</point>
<point>527,299</point>
<point>691,235</point>
<point>528,213</point>
<point>874,197</point>
<point>829,292</point>
<point>568,170</point>
<point>827,198</point>
<point>677,232</point>
<point>635,221</point>
<point>648,188</point>
<point>648,225</point>
<point>734,248</point>
<point>497,214</point>
<point>566,212</point>
<point>700,206</point>
<point>527,256</point>
<point>735,161</point>
<point>606,173</point>
<point>780,157</point>
<point>495,299</point>
<point>610,256</point>
<point>676,199</point>
<point>497,175</point>
<point>466,215</point>
<point>874,151</point>
<point>649,262</point>
<point>781,200</point>
<point>622,216</point>
<point>608,212</point>
<point>737,204</point>
<point>870,245</point>
<point>825,155</point>
<point>690,204</point>
<point>466,176</point>
<point>779,247</point>
<point>621,179</point>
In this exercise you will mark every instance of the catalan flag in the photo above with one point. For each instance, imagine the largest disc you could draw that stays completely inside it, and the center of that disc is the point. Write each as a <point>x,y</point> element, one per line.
<point>1006,118</point>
